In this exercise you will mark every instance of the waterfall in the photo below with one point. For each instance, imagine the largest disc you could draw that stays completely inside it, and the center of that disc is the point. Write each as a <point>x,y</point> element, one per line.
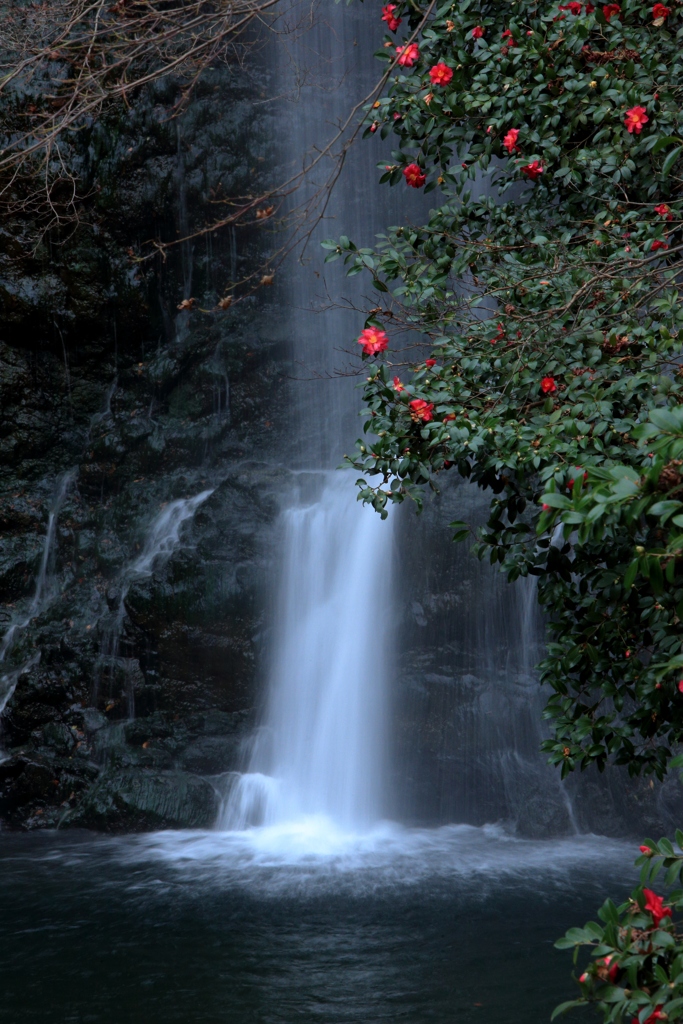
<point>321,750</point>
<point>161,540</point>
<point>464,721</point>
<point>42,595</point>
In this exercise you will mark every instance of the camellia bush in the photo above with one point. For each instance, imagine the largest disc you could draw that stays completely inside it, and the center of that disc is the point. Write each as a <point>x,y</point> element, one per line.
<point>546,284</point>
<point>546,287</point>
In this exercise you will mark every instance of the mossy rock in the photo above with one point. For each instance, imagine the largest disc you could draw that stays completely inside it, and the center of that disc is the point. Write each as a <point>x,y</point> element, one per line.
<point>140,801</point>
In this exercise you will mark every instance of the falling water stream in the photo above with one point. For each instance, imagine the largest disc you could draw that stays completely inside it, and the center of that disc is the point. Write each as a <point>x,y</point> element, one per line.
<point>42,596</point>
<point>320,753</point>
<point>160,541</point>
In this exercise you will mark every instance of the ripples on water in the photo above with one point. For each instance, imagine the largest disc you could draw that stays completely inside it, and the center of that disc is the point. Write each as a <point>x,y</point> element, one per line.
<point>297,923</point>
<point>314,854</point>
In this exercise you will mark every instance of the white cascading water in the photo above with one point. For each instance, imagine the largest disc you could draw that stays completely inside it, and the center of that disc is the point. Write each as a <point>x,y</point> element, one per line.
<point>161,540</point>
<point>42,597</point>
<point>320,752</point>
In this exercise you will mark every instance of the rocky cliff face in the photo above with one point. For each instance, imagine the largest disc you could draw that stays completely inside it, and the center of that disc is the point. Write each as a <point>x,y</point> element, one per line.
<point>114,404</point>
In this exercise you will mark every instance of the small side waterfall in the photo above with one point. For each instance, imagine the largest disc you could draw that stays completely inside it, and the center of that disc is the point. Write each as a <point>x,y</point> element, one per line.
<point>320,752</point>
<point>42,596</point>
<point>162,538</point>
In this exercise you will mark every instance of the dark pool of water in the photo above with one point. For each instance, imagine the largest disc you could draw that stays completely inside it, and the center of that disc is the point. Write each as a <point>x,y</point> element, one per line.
<point>184,928</point>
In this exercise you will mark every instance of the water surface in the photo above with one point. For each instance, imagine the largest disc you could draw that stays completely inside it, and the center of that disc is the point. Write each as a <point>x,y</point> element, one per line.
<point>297,924</point>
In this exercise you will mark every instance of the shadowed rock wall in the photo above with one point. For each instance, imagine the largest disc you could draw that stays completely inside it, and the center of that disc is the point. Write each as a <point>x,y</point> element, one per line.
<point>103,377</point>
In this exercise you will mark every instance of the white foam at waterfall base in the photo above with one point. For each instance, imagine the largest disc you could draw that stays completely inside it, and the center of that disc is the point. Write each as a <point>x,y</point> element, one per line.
<point>320,754</point>
<point>314,856</point>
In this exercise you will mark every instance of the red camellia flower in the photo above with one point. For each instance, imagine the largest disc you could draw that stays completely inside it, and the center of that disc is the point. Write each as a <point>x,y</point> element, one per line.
<point>388,16</point>
<point>635,118</point>
<point>654,904</point>
<point>477,32</point>
<point>397,384</point>
<point>507,35</point>
<point>440,74</point>
<point>574,7</point>
<point>609,10</point>
<point>414,176</point>
<point>589,8</point>
<point>421,410</point>
<point>548,386</point>
<point>658,245</point>
<point>645,850</point>
<point>448,417</point>
<point>664,211</point>
<point>408,55</point>
<point>660,12</point>
<point>534,170</point>
<point>373,341</point>
<point>510,140</point>
<point>680,686</point>
<point>430,362</point>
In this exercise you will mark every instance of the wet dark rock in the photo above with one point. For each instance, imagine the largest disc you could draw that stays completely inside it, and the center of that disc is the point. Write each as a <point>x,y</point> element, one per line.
<point>212,755</point>
<point>38,788</point>
<point>101,375</point>
<point>124,801</point>
<point>59,736</point>
<point>93,720</point>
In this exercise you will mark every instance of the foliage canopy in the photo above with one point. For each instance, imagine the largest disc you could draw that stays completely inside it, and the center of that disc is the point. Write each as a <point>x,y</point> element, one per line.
<point>546,285</point>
